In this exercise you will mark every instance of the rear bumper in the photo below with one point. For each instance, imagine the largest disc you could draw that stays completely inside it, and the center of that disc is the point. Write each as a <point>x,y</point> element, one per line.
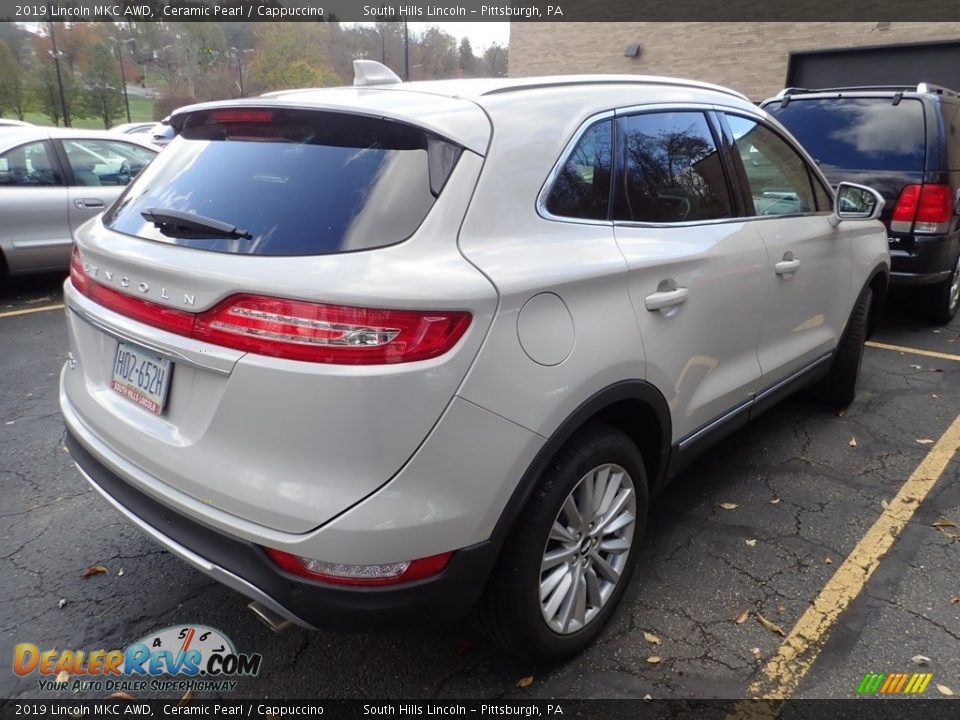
<point>244,566</point>
<point>930,261</point>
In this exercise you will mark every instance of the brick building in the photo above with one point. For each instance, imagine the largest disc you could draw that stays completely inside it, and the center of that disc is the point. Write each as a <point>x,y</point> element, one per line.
<point>756,58</point>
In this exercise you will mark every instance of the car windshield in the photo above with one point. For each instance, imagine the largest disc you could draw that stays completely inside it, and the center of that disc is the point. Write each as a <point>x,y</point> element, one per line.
<point>858,134</point>
<point>296,182</point>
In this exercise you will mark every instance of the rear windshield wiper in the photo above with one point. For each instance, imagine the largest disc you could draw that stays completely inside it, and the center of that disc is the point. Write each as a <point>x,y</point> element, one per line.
<point>175,223</point>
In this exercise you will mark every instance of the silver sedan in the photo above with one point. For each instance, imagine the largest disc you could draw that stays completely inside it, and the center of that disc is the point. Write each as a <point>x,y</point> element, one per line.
<point>51,181</point>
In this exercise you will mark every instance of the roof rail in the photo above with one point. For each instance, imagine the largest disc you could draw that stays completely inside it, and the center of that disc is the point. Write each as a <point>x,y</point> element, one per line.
<point>534,83</point>
<point>923,87</point>
<point>370,72</point>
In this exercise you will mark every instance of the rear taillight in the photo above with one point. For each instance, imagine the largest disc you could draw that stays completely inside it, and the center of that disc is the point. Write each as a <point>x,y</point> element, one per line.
<point>925,208</point>
<point>293,329</point>
<point>343,574</point>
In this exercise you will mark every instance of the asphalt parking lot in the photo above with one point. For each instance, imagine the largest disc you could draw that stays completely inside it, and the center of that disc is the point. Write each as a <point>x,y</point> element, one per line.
<point>753,578</point>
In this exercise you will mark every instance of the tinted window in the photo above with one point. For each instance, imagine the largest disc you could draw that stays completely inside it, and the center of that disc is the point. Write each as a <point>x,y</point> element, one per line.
<point>671,170</point>
<point>297,182</point>
<point>582,188</point>
<point>29,165</point>
<point>857,134</point>
<point>105,162</point>
<point>778,177</point>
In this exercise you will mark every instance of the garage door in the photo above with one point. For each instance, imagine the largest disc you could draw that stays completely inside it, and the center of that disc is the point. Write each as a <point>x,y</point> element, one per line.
<point>937,63</point>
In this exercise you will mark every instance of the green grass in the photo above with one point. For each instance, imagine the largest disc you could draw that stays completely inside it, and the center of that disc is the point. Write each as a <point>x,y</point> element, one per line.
<point>141,109</point>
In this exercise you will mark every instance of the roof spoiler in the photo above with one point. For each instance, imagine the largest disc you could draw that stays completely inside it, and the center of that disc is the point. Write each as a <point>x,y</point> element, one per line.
<point>370,72</point>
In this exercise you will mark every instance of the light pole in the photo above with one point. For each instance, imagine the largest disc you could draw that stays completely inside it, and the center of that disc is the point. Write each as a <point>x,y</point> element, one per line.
<point>239,54</point>
<point>55,54</point>
<point>123,75</point>
<point>406,52</point>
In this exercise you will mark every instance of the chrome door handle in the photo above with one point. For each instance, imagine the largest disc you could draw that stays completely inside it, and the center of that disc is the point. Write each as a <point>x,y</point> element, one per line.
<point>786,267</point>
<point>666,299</point>
<point>88,203</point>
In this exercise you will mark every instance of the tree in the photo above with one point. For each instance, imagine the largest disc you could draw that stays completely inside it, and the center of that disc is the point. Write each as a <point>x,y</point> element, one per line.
<point>103,95</point>
<point>46,93</point>
<point>290,55</point>
<point>12,95</point>
<point>467,60</point>
<point>495,61</point>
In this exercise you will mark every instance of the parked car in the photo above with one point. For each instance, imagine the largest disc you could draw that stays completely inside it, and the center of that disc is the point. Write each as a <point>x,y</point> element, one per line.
<point>383,354</point>
<point>163,133</point>
<point>901,141</point>
<point>134,128</point>
<point>51,181</point>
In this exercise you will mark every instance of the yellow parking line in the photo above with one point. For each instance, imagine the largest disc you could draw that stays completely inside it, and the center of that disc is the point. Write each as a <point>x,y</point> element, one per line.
<point>30,311</point>
<point>785,670</point>
<point>914,351</point>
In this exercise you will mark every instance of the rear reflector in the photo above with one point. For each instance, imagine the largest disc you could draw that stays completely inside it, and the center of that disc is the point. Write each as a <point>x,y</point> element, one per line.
<point>341,574</point>
<point>293,329</point>
<point>928,208</point>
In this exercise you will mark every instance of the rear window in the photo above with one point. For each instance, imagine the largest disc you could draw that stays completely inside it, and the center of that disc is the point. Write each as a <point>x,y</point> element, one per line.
<point>290,182</point>
<point>858,134</point>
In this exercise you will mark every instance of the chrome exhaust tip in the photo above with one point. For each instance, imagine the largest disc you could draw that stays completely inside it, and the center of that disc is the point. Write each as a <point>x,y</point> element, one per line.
<point>268,617</point>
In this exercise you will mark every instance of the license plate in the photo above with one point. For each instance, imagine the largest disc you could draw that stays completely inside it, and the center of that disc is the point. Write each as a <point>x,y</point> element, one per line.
<point>142,376</point>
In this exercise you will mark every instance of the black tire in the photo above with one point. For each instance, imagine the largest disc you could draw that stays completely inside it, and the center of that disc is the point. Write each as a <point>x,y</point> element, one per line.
<point>510,612</point>
<point>944,298</point>
<point>839,387</point>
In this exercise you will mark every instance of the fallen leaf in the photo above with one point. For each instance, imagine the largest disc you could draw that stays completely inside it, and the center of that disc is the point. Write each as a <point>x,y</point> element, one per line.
<point>63,676</point>
<point>936,369</point>
<point>944,690</point>
<point>751,542</point>
<point>729,506</point>
<point>772,627</point>
<point>853,442</point>
<point>944,523</point>
<point>120,573</point>
<point>121,696</point>
<point>525,682</point>
<point>756,653</point>
<point>743,617</point>
<point>884,504</point>
<point>934,396</point>
<point>651,638</point>
<point>61,602</point>
<point>654,659</point>
<point>647,697</point>
<point>187,697</point>
<point>936,332</point>
<point>925,441</point>
<point>955,599</point>
<point>781,609</point>
<point>917,367</point>
<point>775,501</point>
<point>94,570</point>
<point>840,413</point>
<point>828,561</point>
<point>920,659</point>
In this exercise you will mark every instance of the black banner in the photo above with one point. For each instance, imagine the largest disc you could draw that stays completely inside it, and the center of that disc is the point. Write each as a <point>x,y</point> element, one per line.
<point>476,10</point>
<point>872,708</point>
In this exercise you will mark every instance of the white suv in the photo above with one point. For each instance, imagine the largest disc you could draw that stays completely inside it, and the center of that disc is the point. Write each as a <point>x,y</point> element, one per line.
<point>386,353</point>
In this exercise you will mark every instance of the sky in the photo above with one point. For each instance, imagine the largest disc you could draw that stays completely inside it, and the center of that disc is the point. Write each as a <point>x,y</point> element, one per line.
<point>481,34</point>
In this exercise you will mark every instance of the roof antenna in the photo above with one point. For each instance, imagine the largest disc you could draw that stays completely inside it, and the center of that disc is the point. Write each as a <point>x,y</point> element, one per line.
<point>370,72</point>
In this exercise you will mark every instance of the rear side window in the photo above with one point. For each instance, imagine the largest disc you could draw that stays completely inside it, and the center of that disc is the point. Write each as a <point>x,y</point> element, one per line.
<point>671,171</point>
<point>29,165</point>
<point>582,187</point>
<point>857,134</point>
<point>289,182</point>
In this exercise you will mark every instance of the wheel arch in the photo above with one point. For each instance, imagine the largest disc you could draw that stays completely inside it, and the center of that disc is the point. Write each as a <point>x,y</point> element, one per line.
<point>633,406</point>
<point>879,282</point>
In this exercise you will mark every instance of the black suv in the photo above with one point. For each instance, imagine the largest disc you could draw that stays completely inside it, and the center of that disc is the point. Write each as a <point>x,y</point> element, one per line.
<point>905,142</point>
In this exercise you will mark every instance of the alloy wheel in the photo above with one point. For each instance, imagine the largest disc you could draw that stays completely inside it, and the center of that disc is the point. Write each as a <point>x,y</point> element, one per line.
<point>588,548</point>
